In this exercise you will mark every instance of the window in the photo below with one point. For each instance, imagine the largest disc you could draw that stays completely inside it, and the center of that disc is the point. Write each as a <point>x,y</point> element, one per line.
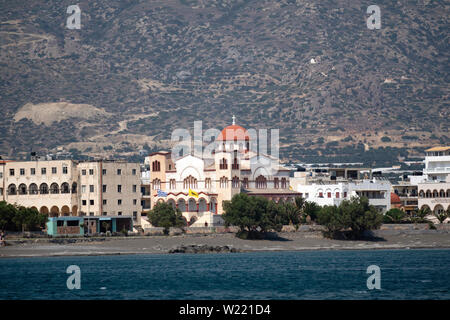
<point>134,188</point>
<point>105,202</point>
<point>60,223</point>
<point>320,194</point>
<point>283,183</point>
<point>190,183</point>
<point>64,170</point>
<point>22,172</point>
<point>223,164</point>
<point>1,175</point>
<point>329,194</point>
<point>119,172</point>
<point>104,213</point>
<point>235,182</point>
<point>156,184</point>
<point>83,189</point>
<point>133,172</point>
<point>83,172</point>
<point>345,194</point>
<point>245,183</point>
<point>11,172</point>
<point>91,213</point>
<point>119,188</point>
<point>119,202</point>
<point>276,183</point>
<point>337,194</point>
<point>83,202</point>
<point>223,182</point>
<point>134,202</point>
<point>119,213</point>
<point>156,166</point>
<point>91,172</point>
<point>54,170</point>
<point>91,202</point>
<point>72,223</point>
<point>208,183</point>
<point>172,184</point>
<point>43,171</point>
<point>104,171</point>
<point>104,188</point>
<point>261,182</point>
<point>33,171</point>
<point>134,214</point>
<point>91,188</point>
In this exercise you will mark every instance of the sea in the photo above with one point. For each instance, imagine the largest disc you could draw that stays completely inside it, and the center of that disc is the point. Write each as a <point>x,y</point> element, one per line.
<point>335,275</point>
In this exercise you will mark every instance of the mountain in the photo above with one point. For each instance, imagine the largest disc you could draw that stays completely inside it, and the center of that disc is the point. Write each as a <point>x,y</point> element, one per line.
<point>137,70</point>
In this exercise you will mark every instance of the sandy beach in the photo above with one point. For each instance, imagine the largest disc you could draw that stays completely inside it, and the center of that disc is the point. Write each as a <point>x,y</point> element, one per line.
<point>292,241</point>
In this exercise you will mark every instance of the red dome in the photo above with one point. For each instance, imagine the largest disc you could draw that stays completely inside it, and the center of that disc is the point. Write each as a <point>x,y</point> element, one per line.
<point>395,198</point>
<point>234,133</point>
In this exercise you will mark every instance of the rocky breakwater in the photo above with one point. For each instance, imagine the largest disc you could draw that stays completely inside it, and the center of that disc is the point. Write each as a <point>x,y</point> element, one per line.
<point>203,249</point>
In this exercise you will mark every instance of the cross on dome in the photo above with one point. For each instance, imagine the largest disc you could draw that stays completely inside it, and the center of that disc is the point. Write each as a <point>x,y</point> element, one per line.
<point>234,120</point>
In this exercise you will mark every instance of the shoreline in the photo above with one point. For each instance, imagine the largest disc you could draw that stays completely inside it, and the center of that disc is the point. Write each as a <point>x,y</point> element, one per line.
<point>287,241</point>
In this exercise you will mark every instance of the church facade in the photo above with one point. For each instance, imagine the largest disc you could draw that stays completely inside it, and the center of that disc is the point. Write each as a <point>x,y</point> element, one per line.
<point>233,168</point>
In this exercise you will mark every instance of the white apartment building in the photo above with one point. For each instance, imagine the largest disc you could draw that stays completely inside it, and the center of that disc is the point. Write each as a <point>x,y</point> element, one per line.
<point>330,186</point>
<point>434,191</point>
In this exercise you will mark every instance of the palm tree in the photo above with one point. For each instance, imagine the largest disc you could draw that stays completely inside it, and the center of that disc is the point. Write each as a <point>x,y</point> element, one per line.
<point>441,216</point>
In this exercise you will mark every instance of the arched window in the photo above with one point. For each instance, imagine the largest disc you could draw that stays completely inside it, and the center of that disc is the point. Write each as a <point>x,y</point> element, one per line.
<point>223,165</point>
<point>421,194</point>
<point>43,188</point>
<point>33,189</point>
<point>12,190</point>
<point>235,182</point>
<point>283,183</point>
<point>172,184</point>
<point>22,189</point>
<point>224,182</point>
<point>190,183</point>
<point>208,183</point>
<point>245,183</point>
<point>235,165</point>
<point>441,193</point>
<point>428,194</point>
<point>65,188</point>
<point>435,194</point>
<point>156,166</point>
<point>261,182</point>
<point>276,183</point>
<point>54,188</point>
<point>74,187</point>
<point>156,184</point>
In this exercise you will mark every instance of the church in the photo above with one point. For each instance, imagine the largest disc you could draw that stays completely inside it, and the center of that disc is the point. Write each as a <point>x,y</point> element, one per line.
<point>198,187</point>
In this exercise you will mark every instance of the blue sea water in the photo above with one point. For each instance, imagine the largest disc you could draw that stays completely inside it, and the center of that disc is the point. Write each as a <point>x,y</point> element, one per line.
<point>405,274</point>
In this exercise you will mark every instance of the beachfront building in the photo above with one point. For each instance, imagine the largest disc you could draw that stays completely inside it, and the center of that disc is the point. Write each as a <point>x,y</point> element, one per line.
<point>233,169</point>
<point>62,188</point>
<point>434,191</point>
<point>331,186</point>
<point>405,193</point>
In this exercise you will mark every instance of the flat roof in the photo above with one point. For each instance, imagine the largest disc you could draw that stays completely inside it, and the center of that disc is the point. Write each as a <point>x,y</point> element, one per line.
<point>438,149</point>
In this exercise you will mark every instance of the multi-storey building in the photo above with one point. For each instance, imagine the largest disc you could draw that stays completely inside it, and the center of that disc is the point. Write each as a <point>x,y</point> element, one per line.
<point>434,191</point>
<point>233,169</point>
<point>70,188</point>
<point>330,186</point>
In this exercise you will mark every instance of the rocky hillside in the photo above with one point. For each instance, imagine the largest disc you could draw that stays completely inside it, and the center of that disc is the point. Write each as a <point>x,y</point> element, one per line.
<point>336,90</point>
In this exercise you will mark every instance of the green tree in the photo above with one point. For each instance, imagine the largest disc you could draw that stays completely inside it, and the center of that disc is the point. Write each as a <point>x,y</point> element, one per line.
<point>165,216</point>
<point>254,216</point>
<point>331,218</point>
<point>420,215</point>
<point>350,219</point>
<point>394,215</point>
<point>441,216</point>
<point>311,210</point>
<point>359,216</point>
<point>28,218</point>
<point>7,212</point>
